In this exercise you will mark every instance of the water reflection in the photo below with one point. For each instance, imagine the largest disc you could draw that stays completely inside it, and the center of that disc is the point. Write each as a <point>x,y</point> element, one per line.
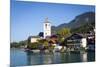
<point>20,57</point>
<point>39,58</point>
<point>83,57</point>
<point>52,58</point>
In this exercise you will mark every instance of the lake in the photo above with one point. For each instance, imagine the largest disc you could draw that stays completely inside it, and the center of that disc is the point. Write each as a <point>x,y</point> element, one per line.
<point>18,57</point>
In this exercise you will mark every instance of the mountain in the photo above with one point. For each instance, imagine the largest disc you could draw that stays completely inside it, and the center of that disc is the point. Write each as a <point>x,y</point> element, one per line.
<point>77,22</point>
<point>86,28</point>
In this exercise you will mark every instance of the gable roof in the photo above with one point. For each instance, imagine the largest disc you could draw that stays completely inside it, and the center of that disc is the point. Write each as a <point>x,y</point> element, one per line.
<point>53,36</point>
<point>75,36</point>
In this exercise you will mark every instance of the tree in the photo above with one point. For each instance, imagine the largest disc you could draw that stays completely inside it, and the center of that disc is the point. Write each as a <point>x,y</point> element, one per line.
<point>84,28</point>
<point>34,45</point>
<point>64,32</point>
<point>14,44</point>
<point>40,34</point>
<point>43,42</point>
<point>19,44</point>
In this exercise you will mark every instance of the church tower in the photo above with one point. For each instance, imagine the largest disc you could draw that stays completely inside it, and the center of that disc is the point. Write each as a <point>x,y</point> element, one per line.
<point>47,28</point>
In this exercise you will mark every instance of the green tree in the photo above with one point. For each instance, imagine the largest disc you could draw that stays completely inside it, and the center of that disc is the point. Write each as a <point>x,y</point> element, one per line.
<point>63,33</point>
<point>14,44</point>
<point>34,45</point>
<point>40,34</point>
<point>43,42</point>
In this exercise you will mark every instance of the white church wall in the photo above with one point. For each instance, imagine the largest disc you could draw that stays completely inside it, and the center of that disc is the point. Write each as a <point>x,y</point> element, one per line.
<point>47,28</point>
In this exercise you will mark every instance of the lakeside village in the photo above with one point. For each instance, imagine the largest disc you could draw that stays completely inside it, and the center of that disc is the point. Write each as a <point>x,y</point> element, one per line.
<point>62,41</point>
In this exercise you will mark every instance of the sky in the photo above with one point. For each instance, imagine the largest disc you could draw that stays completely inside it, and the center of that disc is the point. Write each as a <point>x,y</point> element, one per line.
<point>27,18</point>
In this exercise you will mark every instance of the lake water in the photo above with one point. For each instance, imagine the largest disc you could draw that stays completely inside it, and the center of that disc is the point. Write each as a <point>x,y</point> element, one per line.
<point>19,57</point>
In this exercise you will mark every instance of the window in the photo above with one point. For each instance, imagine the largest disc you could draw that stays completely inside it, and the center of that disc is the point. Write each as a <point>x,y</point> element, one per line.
<point>45,33</point>
<point>45,25</point>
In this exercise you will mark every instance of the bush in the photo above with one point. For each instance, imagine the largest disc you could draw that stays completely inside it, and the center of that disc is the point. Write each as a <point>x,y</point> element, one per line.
<point>33,45</point>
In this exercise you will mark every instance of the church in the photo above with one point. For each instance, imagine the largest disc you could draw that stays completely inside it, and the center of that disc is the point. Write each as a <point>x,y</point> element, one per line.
<point>46,32</point>
<point>46,28</point>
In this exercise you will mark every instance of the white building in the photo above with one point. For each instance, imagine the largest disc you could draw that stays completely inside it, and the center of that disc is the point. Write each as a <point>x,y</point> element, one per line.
<point>47,28</point>
<point>83,42</point>
<point>76,41</point>
<point>33,39</point>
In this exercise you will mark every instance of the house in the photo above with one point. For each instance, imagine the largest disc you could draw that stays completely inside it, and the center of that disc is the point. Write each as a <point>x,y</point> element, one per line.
<point>76,41</point>
<point>91,41</point>
<point>53,38</point>
<point>54,41</point>
<point>33,39</point>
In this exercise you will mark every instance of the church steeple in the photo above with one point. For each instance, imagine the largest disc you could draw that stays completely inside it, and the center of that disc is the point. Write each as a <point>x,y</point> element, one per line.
<point>46,20</point>
<point>47,28</point>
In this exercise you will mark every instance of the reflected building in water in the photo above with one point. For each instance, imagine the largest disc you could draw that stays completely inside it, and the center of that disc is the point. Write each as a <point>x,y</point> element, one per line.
<point>56,58</point>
